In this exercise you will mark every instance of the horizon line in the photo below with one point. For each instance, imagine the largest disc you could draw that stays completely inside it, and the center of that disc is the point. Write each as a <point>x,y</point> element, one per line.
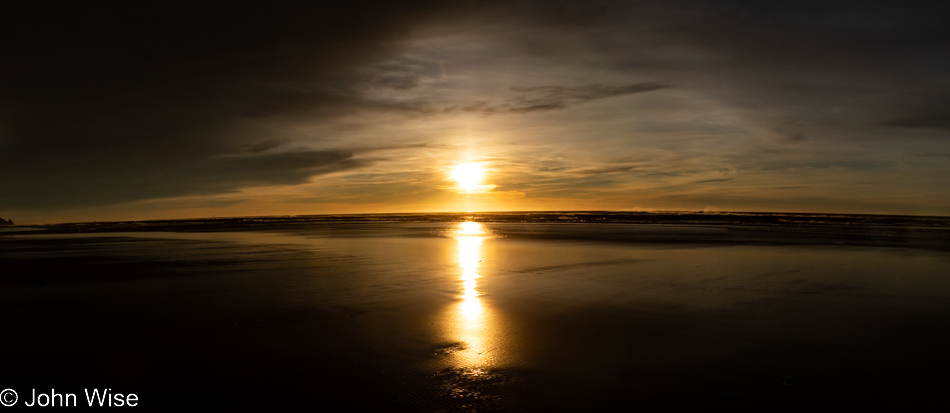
<point>611,212</point>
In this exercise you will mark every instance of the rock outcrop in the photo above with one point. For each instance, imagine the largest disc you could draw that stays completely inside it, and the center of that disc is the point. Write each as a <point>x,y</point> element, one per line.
<point>6,222</point>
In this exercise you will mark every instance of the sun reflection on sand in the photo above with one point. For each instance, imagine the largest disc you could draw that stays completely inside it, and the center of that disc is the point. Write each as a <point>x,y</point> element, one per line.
<point>473,370</point>
<point>470,320</point>
<point>468,260</point>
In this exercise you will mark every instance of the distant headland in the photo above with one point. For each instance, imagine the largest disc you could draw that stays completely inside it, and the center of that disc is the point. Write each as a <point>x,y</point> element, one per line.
<point>6,222</point>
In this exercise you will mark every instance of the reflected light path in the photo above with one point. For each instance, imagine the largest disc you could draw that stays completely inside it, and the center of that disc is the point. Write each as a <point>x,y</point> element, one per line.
<point>471,322</point>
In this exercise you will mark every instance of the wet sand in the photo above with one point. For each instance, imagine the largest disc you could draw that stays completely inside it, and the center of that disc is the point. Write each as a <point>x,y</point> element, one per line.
<point>503,316</point>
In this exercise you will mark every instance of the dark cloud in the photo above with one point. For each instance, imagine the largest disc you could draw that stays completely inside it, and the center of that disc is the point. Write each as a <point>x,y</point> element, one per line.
<point>96,99</point>
<point>263,146</point>
<point>402,74</point>
<point>791,134</point>
<point>836,67</point>
<point>787,187</point>
<point>539,98</point>
<point>706,181</point>
<point>213,175</point>
<point>373,148</point>
<point>603,170</point>
<point>525,100</point>
<point>183,203</point>
<point>940,122</point>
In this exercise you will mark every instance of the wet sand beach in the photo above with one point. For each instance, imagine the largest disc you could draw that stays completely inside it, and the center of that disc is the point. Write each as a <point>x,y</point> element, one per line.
<point>485,315</point>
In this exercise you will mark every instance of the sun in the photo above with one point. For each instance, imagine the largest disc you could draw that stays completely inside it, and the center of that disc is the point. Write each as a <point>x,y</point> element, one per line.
<point>468,175</point>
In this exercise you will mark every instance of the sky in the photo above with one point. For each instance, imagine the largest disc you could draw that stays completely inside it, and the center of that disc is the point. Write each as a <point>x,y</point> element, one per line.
<point>155,110</point>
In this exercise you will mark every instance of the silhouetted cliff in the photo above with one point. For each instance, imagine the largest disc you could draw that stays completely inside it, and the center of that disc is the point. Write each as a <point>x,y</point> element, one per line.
<point>5,222</point>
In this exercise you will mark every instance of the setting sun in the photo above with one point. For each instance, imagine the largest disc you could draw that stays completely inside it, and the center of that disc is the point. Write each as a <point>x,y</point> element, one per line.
<point>468,175</point>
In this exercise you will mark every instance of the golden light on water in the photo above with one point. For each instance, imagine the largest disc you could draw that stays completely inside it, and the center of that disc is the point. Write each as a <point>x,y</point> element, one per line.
<point>469,229</point>
<point>468,260</point>
<point>471,322</point>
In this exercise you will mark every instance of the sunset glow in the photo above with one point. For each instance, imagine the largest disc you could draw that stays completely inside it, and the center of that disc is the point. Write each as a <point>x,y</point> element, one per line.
<point>468,175</point>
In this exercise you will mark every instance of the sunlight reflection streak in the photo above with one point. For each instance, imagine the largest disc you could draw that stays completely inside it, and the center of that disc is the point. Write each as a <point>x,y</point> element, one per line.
<point>471,320</point>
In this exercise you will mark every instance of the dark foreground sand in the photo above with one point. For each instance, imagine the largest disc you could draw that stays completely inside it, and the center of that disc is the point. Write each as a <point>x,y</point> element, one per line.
<point>435,316</point>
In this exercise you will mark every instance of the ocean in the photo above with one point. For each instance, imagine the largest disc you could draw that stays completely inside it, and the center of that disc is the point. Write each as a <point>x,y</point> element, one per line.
<point>561,311</point>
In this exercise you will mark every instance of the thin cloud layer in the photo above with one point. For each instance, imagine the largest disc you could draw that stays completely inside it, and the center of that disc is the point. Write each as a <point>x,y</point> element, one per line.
<point>531,99</point>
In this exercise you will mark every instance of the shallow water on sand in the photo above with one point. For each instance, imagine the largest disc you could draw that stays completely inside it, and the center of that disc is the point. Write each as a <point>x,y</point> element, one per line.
<point>467,316</point>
